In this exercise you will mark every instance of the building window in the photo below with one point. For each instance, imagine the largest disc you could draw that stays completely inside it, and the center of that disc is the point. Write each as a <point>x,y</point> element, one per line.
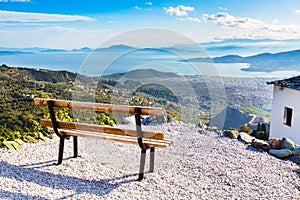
<point>288,114</point>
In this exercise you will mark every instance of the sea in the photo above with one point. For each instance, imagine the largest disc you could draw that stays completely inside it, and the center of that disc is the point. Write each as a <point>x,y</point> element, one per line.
<point>104,63</point>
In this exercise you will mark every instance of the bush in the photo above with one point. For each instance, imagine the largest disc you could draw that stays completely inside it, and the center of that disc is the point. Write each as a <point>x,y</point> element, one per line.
<point>246,129</point>
<point>262,135</point>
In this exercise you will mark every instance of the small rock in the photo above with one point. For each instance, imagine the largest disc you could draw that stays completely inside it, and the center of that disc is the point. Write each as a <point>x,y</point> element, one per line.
<point>260,144</point>
<point>275,143</point>
<point>246,137</point>
<point>296,151</point>
<point>287,144</point>
<point>233,134</point>
<point>212,128</point>
<point>129,120</point>
<point>281,153</point>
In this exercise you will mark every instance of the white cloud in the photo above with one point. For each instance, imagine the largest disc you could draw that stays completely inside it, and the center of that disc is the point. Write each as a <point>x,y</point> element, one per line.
<point>137,8</point>
<point>186,8</point>
<point>246,27</point>
<point>12,16</point>
<point>179,11</point>
<point>226,20</point>
<point>58,28</point>
<point>275,21</point>
<point>56,37</point>
<point>297,11</point>
<point>149,3</point>
<point>175,11</point>
<point>221,8</point>
<point>193,19</point>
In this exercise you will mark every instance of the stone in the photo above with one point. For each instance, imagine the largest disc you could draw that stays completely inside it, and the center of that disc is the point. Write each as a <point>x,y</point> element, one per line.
<point>296,151</point>
<point>281,153</point>
<point>129,120</point>
<point>233,134</point>
<point>261,144</point>
<point>147,120</point>
<point>275,143</point>
<point>246,137</point>
<point>287,144</point>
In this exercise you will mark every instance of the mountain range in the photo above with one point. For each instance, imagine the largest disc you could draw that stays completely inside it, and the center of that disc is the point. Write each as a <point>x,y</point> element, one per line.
<point>277,54</point>
<point>265,62</point>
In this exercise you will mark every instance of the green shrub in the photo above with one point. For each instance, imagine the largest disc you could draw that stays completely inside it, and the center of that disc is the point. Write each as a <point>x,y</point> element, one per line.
<point>262,135</point>
<point>246,129</point>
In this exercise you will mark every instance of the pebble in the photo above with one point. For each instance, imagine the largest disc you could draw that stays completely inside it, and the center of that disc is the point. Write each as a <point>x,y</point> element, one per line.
<point>201,165</point>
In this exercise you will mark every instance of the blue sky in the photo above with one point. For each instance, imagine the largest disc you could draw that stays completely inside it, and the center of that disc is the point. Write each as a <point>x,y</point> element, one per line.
<point>78,23</point>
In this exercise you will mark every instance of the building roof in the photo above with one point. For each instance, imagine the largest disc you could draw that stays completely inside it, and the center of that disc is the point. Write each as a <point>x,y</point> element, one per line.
<point>293,83</point>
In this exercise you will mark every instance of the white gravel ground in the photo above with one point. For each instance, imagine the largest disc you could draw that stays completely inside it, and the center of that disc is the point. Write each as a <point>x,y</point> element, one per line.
<point>201,165</point>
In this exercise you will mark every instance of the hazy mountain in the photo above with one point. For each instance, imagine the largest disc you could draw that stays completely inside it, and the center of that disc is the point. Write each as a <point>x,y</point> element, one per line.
<point>8,53</point>
<point>54,51</point>
<point>140,74</point>
<point>84,49</point>
<point>265,62</point>
<point>118,47</point>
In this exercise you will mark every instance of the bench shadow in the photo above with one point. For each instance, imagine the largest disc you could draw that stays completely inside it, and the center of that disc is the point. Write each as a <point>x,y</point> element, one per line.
<point>249,147</point>
<point>7,195</point>
<point>31,173</point>
<point>44,164</point>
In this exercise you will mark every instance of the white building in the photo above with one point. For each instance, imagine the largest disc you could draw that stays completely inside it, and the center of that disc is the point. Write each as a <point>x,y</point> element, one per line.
<point>285,117</point>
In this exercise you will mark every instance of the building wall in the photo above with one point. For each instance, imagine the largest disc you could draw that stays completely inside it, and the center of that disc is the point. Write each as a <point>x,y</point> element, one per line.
<point>285,98</point>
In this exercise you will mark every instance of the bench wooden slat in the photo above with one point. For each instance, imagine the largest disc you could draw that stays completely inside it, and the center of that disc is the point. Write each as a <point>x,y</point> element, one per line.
<point>65,131</point>
<point>116,138</point>
<point>100,107</point>
<point>102,129</point>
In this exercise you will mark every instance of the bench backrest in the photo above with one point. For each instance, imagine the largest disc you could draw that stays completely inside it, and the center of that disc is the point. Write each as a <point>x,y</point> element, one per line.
<point>102,129</point>
<point>99,107</point>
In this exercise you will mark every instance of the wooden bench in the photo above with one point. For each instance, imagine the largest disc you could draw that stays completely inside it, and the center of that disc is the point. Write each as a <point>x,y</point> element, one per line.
<point>145,139</point>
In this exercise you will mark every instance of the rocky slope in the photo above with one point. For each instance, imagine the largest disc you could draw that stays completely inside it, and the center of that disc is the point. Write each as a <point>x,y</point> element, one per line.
<point>200,165</point>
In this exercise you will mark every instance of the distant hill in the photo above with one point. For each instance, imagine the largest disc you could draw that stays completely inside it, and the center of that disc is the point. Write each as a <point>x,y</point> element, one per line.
<point>265,62</point>
<point>234,118</point>
<point>118,47</point>
<point>7,53</point>
<point>37,74</point>
<point>140,74</point>
<point>84,49</point>
<point>53,51</point>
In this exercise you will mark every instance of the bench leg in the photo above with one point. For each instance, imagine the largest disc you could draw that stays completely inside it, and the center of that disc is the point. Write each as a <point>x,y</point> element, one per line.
<point>152,152</point>
<point>75,146</point>
<point>61,150</point>
<point>142,165</point>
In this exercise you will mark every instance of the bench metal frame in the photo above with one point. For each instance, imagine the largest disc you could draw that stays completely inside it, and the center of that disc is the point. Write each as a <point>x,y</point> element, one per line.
<point>140,136</point>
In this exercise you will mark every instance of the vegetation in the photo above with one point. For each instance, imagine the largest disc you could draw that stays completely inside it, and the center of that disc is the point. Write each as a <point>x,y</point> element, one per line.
<point>19,119</point>
<point>259,133</point>
<point>255,111</point>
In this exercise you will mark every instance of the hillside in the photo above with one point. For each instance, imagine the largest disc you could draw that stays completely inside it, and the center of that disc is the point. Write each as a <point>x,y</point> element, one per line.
<point>184,98</point>
<point>37,74</point>
<point>19,117</point>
